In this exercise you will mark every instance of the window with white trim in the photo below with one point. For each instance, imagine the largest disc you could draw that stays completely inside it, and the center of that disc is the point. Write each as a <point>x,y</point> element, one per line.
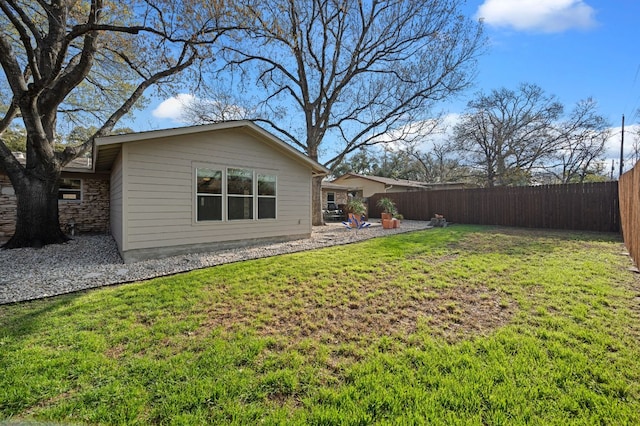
<point>267,196</point>
<point>209,194</point>
<point>70,189</point>
<point>239,194</point>
<point>234,194</point>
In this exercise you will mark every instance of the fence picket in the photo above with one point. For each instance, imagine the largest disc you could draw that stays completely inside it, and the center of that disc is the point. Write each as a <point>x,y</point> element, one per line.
<point>629,188</point>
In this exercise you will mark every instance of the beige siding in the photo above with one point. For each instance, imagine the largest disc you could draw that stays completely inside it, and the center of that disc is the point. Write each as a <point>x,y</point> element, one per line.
<point>160,187</point>
<point>369,187</point>
<point>116,203</point>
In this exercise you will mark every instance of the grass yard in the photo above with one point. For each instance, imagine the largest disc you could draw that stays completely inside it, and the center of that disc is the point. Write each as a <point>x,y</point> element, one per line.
<point>461,325</point>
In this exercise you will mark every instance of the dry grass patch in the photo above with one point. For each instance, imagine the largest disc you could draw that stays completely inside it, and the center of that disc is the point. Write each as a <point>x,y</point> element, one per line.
<point>373,312</point>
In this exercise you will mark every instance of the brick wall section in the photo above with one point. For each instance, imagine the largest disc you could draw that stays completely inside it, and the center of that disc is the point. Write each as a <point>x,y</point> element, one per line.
<point>91,214</point>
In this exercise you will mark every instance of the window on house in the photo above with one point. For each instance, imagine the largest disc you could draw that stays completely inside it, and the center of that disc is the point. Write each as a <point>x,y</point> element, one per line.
<point>266,197</point>
<point>209,194</point>
<point>331,197</point>
<point>239,194</point>
<point>70,189</point>
<point>249,195</point>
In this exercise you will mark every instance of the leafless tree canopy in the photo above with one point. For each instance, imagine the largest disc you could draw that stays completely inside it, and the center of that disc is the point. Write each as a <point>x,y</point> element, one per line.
<point>581,143</point>
<point>351,70</point>
<point>512,137</point>
<point>507,133</point>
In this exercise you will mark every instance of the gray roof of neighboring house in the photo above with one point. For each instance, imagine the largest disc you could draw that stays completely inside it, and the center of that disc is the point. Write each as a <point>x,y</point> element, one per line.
<point>107,147</point>
<point>82,164</point>
<point>390,181</point>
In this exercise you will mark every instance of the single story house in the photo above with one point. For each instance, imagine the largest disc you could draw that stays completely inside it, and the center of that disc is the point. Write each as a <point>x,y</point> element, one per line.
<point>370,185</point>
<point>202,188</point>
<point>374,184</point>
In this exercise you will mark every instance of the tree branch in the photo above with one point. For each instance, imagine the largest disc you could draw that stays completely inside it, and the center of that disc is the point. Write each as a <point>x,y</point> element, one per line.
<point>183,63</point>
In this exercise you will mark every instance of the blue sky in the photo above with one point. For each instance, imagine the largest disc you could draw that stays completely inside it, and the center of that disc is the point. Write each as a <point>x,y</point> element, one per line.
<point>573,49</point>
<point>592,50</point>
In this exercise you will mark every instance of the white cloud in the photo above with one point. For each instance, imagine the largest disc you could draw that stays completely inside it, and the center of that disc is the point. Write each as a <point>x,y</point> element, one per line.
<point>548,16</point>
<point>631,146</point>
<point>423,135</point>
<point>188,109</point>
<point>173,108</point>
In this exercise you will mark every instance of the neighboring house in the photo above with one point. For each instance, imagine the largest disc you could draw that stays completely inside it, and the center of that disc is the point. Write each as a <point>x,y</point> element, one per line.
<point>374,184</point>
<point>204,188</point>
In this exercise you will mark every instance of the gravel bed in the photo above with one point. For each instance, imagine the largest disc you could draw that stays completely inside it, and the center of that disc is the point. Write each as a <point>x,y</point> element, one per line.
<point>90,261</point>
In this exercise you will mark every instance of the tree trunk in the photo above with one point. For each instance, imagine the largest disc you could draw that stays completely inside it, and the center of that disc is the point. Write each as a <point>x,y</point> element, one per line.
<point>316,201</point>
<point>37,214</point>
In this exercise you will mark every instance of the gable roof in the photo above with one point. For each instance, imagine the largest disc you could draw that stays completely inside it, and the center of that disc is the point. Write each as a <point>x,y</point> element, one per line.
<point>106,148</point>
<point>388,181</point>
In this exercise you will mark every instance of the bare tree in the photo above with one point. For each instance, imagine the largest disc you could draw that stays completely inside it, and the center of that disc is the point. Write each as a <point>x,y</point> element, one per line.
<point>581,143</point>
<point>506,134</point>
<point>634,154</point>
<point>340,74</point>
<point>89,60</point>
<point>439,164</point>
<point>217,105</point>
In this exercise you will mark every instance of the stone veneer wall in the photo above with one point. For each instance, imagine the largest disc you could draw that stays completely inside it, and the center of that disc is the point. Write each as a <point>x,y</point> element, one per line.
<point>341,197</point>
<point>91,214</point>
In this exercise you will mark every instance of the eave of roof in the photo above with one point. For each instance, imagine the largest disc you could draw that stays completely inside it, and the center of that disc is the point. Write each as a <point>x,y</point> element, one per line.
<point>390,181</point>
<point>107,147</point>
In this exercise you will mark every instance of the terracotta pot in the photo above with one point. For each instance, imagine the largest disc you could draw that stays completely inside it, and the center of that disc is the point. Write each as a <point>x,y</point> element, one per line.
<point>387,216</point>
<point>395,223</point>
<point>387,223</point>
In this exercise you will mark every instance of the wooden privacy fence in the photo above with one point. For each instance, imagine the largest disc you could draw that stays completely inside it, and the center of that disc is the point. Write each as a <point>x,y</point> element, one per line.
<point>588,207</point>
<point>629,188</point>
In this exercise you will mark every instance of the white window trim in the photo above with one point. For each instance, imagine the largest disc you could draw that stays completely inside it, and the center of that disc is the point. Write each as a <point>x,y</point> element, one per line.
<point>200,194</point>
<point>225,195</point>
<point>258,196</point>
<point>252,196</point>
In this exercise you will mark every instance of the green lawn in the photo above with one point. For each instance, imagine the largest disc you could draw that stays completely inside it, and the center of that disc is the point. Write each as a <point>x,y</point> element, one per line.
<point>461,325</point>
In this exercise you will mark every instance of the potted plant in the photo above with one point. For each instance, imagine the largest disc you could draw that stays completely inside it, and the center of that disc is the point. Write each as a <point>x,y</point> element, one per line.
<point>397,217</point>
<point>356,209</point>
<point>388,210</point>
